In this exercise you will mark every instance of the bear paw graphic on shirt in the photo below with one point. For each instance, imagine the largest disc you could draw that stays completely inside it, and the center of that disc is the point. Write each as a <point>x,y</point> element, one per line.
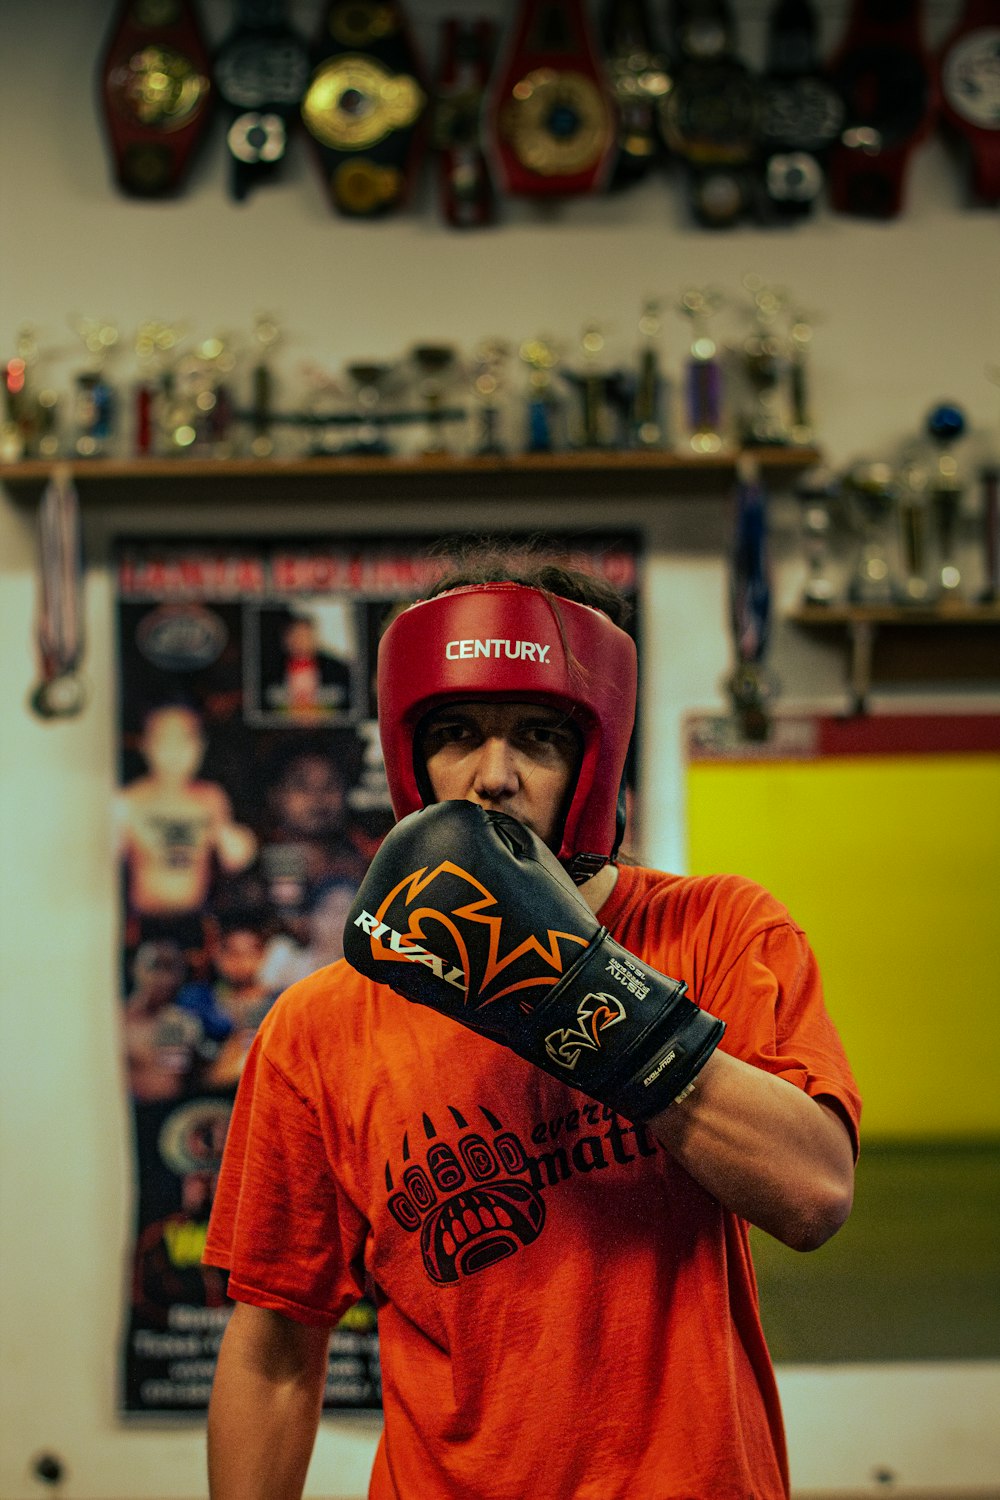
<point>464,1198</point>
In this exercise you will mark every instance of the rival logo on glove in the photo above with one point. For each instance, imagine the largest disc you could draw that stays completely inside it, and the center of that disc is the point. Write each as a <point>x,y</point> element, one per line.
<point>595,1013</point>
<point>408,949</point>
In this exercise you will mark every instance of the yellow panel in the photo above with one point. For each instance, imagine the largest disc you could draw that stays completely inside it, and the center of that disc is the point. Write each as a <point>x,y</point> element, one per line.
<point>892,866</point>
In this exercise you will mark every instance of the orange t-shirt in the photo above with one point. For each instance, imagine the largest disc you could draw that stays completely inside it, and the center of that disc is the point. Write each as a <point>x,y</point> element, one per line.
<point>563,1311</point>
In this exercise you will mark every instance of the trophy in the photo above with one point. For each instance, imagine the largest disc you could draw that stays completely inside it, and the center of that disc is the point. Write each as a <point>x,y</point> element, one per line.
<point>489,362</point>
<point>802,430</point>
<point>816,493</point>
<point>371,381</point>
<point>914,532</point>
<point>649,424</point>
<point>600,393</point>
<point>871,492</point>
<point>437,367</point>
<point>765,362</point>
<point>266,333</point>
<point>94,407</point>
<point>945,425</point>
<point>703,372</point>
<point>544,410</point>
<point>154,346</point>
<point>323,410</point>
<point>28,428</point>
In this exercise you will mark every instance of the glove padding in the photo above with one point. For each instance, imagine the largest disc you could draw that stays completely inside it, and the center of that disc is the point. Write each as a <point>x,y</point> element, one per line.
<point>467,911</point>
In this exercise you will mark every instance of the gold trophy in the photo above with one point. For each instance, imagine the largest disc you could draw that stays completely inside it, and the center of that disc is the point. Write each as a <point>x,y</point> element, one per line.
<point>593,383</point>
<point>437,367</point>
<point>650,424</point>
<point>544,408</point>
<point>702,372</point>
<point>765,364</point>
<point>95,407</point>
<point>155,344</point>
<point>946,486</point>
<point>28,428</point>
<point>266,334</point>
<point>489,363</point>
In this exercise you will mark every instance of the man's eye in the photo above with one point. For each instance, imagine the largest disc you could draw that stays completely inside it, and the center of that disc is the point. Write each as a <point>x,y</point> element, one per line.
<point>443,734</point>
<point>550,735</point>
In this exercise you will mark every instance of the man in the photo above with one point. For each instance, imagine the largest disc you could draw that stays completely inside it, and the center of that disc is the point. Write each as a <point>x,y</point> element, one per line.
<point>566,1302</point>
<point>176,829</point>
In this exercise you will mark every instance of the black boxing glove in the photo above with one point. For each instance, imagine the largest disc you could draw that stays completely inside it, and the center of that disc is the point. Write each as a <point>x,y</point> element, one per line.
<point>467,911</point>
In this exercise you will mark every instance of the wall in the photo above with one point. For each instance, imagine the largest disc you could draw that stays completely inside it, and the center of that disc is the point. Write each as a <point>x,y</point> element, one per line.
<point>905,314</point>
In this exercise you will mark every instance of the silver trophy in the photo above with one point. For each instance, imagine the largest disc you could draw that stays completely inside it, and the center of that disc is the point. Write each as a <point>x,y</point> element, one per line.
<point>438,368</point>
<point>914,532</point>
<point>817,493</point>
<point>871,494</point>
<point>765,360</point>
<point>946,487</point>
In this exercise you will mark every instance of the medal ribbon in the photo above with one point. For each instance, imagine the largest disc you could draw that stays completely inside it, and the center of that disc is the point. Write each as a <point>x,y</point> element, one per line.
<point>60,559</point>
<point>750,585</point>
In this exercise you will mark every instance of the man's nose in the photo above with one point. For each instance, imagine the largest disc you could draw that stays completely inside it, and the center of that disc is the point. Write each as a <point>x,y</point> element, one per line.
<point>496,769</point>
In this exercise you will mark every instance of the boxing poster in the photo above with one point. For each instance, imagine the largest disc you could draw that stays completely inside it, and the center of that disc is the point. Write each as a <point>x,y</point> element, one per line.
<point>251,795</point>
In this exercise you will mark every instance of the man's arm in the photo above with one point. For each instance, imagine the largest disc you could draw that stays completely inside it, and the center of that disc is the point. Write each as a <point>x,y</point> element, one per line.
<point>764,1149</point>
<point>265,1406</point>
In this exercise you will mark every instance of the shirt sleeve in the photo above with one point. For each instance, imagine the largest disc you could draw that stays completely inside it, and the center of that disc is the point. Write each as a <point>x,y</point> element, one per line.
<point>289,1237</point>
<point>771,999</point>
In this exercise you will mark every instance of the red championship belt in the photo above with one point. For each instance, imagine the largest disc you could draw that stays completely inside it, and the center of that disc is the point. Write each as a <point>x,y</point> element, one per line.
<point>968,70</point>
<point>156,93</point>
<point>552,117</point>
<point>883,74</point>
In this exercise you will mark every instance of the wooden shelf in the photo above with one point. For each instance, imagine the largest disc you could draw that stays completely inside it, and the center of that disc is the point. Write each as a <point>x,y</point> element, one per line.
<point>952,641</point>
<point>582,472</point>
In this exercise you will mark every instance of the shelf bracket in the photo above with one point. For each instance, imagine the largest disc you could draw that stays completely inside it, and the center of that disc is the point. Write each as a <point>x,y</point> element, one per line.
<point>862,649</point>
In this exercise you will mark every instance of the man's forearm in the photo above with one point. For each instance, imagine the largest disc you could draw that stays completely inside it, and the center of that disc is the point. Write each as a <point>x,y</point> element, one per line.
<point>265,1406</point>
<point>764,1149</point>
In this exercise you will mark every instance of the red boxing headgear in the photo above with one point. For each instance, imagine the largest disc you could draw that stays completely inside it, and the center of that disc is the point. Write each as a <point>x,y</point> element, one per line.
<point>513,643</point>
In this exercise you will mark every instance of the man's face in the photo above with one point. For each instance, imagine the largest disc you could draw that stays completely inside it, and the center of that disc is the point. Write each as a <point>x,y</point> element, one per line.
<point>310,797</point>
<point>516,758</point>
<point>172,743</point>
<point>300,638</point>
<point>239,957</point>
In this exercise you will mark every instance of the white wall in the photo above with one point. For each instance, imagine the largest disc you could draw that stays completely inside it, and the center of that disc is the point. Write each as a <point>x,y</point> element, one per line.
<point>906,314</point>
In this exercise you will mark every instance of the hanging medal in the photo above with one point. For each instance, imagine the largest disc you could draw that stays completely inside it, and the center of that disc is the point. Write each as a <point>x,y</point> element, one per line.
<point>59,634</point>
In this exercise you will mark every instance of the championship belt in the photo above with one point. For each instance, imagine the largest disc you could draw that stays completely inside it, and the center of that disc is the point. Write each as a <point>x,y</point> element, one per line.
<point>364,106</point>
<point>552,118</point>
<point>800,116</point>
<point>710,114</point>
<point>968,70</point>
<point>261,71</point>
<point>467,49</point>
<point>640,81</point>
<point>882,72</point>
<point>156,93</point>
